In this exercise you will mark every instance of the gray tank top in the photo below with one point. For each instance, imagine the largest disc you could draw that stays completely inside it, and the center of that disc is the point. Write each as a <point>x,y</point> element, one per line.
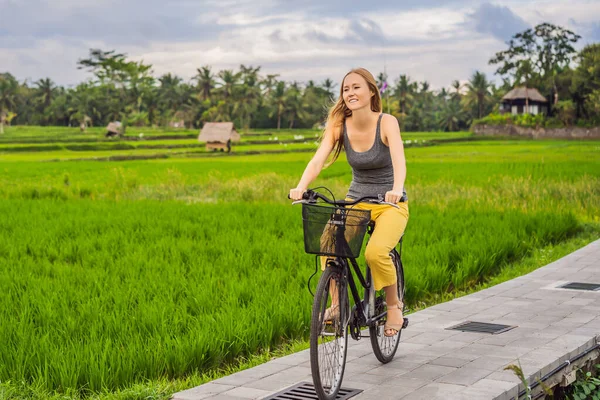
<point>372,170</point>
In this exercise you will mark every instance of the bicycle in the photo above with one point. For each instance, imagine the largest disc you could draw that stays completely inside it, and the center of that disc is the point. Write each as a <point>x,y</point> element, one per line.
<point>337,231</point>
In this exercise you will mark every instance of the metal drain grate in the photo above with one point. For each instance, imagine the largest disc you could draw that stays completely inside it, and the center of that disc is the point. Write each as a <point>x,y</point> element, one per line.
<point>305,390</point>
<point>481,327</point>
<point>581,286</point>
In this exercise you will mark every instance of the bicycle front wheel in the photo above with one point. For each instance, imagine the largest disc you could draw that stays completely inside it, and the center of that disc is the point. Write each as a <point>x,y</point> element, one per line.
<point>329,333</point>
<point>385,347</point>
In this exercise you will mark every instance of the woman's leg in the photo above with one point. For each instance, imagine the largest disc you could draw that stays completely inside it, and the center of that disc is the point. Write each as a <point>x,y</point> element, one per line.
<point>333,292</point>
<point>389,226</point>
<point>394,314</point>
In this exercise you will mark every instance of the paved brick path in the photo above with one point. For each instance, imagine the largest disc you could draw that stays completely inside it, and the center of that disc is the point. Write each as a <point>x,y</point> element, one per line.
<point>434,363</point>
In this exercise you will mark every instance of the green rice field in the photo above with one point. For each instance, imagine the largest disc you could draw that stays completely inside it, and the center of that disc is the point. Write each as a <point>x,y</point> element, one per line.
<point>130,279</point>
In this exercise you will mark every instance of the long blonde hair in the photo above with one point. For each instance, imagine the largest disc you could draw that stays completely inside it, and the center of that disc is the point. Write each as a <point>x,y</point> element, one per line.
<point>339,111</point>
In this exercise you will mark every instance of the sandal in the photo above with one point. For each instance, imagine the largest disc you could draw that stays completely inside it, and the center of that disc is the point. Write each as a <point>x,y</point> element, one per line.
<point>395,327</point>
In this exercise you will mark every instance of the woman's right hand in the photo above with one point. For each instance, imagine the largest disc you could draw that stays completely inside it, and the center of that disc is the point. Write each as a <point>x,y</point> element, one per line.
<point>296,194</point>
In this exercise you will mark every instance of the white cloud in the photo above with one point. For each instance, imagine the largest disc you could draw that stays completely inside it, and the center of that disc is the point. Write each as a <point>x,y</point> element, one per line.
<point>557,12</point>
<point>50,57</point>
<point>430,24</point>
<point>296,41</point>
<point>576,15</point>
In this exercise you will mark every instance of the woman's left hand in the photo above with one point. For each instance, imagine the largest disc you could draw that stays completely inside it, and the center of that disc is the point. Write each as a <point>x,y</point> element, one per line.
<point>393,196</point>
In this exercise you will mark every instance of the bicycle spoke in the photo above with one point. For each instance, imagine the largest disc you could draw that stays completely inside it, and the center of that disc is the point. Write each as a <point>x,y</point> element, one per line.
<point>328,337</point>
<point>332,347</point>
<point>385,347</point>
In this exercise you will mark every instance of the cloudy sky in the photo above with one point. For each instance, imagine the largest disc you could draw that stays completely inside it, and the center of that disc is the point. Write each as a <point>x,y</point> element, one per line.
<point>432,40</point>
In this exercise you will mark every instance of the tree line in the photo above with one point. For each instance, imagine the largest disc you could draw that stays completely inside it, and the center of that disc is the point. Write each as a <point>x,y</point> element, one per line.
<point>125,90</point>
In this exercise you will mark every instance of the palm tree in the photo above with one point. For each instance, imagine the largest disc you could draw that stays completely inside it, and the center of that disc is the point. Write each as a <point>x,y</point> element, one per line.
<point>150,94</point>
<point>421,113</point>
<point>443,94</point>
<point>58,112</point>
<point>498,92</point>
<point>294,103</point>
<point>268,83</point>
<point>249,94</point>
<point>246,106</point>
<point>404,91</point>
<point>249,75</point>
<point>229,90</point>
<point>425,95</point>
<point>206,81</point>
<point>278,102</point>
<point>169,93</point>
<point>329,86</point>
<point>314,101</point>
<point>46,92</point>
<point>8,94</point>
<point>479,92</point>
<point>229,82</point>
<point>82,104</point>
<point>450,116</point>
<point>217,113</point>
<point>457,86</point>
<point>187,103</point>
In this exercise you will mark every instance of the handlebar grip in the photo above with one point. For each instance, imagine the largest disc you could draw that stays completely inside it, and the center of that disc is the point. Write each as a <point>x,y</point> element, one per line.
<point>307,195</point>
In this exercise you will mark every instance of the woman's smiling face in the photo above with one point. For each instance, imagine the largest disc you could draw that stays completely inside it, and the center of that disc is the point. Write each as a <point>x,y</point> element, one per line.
<point>356,92</point>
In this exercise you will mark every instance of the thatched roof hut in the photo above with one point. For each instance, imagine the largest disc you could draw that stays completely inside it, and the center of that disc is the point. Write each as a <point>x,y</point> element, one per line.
<point>114,128</point>
<point>523,93</point>
<point>218,135</point>
<point>523,100</point>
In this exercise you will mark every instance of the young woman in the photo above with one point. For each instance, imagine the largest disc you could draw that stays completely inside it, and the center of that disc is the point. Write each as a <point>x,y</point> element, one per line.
<point>375,152</point>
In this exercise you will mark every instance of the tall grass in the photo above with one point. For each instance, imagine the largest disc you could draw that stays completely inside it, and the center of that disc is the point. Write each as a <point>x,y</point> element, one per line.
<point>105,294</point>
<point>114,274</point>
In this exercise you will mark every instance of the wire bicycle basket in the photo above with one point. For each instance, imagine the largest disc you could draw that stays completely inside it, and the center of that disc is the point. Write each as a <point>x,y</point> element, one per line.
<point>334,231</point>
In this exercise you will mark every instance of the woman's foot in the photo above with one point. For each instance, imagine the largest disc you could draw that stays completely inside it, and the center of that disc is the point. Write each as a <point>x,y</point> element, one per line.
<point>395,321</point>
<point>331,313</point>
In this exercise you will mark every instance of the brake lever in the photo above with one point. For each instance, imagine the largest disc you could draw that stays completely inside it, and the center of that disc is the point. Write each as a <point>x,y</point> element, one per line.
<point>381,200</point>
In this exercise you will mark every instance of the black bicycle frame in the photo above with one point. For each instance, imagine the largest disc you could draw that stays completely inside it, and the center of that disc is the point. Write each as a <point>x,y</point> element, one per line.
<point>343,262</point>
<point>365,282</point>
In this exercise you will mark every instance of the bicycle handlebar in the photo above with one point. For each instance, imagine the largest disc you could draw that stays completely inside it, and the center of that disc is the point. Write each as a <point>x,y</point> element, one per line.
<point>311,196</point>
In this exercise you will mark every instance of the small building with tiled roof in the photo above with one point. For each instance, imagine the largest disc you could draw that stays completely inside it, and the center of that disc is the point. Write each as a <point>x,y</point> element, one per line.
<point>523,100</point>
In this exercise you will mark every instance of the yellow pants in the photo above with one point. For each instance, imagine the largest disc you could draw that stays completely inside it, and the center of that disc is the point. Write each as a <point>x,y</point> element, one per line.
<point>390,223</point>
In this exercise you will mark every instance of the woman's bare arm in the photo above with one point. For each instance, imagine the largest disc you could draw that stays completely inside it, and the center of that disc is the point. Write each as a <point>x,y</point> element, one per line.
<point>315,165</point>
<point>391,134</point>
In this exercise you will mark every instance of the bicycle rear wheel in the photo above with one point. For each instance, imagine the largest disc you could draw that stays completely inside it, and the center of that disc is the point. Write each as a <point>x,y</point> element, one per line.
<point>329,337</point>
<point>385,347</point>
